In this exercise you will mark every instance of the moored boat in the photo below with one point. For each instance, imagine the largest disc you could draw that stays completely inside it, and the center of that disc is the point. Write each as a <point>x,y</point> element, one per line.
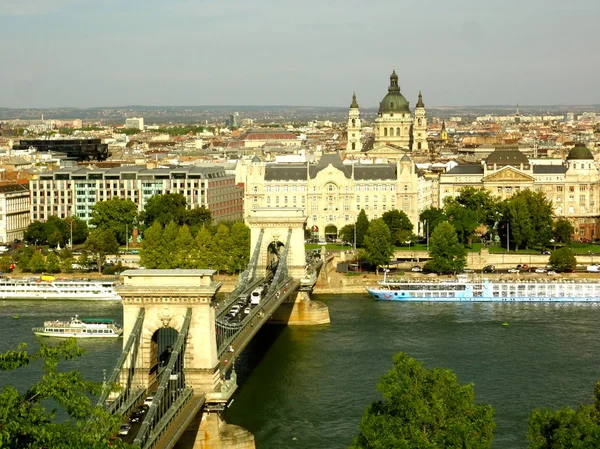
<point>47,287</point>
<point>464,290</point>
<point>80,328</point>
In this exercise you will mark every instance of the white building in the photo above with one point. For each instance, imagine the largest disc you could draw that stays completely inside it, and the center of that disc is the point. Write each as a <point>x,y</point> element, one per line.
<point>135,123</point>
<point>14,212</point>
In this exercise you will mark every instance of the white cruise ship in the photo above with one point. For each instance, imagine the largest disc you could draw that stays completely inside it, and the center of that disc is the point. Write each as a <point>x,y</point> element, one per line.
<point>47,287</point>
<point>80,328</point>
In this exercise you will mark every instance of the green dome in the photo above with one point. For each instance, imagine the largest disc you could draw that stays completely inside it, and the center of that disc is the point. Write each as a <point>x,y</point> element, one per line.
<point>580,151</point>
<point>394,101</point>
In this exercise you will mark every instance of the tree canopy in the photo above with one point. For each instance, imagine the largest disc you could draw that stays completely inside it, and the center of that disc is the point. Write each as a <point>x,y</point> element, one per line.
<point>164,209</point>
<point>433,216</point>
<point>399,225</point>
<point>225,247</point>
<point>116,215</point>
<point>25,423</point>
<point>566,428</point>
<point>100,243</point>
<point>55,231</point>
<point>563,230</point>
<point>362,226</point>
<point>378,244</point>
<point>424,409</point>
<point>447,254</point>
<point>563,259</point>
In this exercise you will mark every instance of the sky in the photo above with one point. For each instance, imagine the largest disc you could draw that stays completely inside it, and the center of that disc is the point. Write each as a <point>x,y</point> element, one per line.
<point>83,53</point>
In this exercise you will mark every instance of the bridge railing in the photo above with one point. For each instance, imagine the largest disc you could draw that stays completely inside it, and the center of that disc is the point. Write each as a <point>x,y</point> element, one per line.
<point>227,332</point>
<point>165,396</point>
<point>129,351</point>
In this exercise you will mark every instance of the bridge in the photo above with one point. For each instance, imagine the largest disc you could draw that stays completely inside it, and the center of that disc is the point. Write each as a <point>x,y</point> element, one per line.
<point>180,345</point>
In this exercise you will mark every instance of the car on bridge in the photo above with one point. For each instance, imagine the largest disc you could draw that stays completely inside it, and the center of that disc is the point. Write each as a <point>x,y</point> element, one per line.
<point>124,429</point>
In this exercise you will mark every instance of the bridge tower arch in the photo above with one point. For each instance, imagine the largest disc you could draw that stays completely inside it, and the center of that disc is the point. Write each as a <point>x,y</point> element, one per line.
<point>166,297</point>
<point>276,224</point>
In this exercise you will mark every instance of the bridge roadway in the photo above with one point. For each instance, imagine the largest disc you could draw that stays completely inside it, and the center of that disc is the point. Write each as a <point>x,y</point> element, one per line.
<point>255,320</point>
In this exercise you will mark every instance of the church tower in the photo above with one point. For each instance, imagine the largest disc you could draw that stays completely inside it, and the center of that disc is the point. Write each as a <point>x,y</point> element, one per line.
<point>444,133</point>
<point>420,127</point>
<point>354,144</point>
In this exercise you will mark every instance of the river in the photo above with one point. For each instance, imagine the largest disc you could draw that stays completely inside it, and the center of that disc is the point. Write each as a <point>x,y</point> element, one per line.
<point>307,387</point>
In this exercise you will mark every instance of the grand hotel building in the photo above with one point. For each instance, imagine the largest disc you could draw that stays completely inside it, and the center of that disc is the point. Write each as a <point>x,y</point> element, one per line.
<point>73,191</point>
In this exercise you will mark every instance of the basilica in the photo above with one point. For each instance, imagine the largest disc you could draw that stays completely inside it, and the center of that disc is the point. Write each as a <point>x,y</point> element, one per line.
<point>397,131</point>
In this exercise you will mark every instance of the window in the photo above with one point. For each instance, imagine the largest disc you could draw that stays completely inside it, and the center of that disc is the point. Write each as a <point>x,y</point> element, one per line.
<point>375,198</point>
<point>314,218</point>
<point>559,188</point>
<point>571,198</point>
<point>366,199</point>
<point>571,188</point>
<point>347,217</point>
<point>406,188</point>
<point>255,189</point>
<point>330,188</point>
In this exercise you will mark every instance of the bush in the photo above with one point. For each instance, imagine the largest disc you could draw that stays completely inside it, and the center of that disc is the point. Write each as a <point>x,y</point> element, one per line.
<point>109,270</point>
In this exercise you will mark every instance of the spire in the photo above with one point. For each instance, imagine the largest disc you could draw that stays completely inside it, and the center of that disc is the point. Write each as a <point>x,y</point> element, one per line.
<point>517,113</point>
<point>420,103</point>
<point>354,104</point>
<point>443,125</point>
<point>394,86</point>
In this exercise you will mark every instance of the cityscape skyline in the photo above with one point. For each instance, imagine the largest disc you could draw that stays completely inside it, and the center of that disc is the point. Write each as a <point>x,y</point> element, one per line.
<point>277,53</point>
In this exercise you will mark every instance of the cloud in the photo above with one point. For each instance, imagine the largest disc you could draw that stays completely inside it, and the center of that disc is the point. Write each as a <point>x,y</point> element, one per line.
<point>32,7</point>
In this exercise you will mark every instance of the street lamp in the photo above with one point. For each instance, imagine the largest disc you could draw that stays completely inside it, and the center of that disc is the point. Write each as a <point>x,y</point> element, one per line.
<point>71,242</point>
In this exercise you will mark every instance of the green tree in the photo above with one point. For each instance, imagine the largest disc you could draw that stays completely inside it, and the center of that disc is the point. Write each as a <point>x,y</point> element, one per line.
<point>434,217</point>
<point>362,226</point>
<point>563,230</point>
<point>378,244</point>
<point>25,423</point>
<point>56,231</point>
<point>153,252</point>
<point>562,259</point>
<point>219,248</point>
<point>80,229</point>
<point>347,234</point>
<point>5,264</point>
<point>527,218</point>
<point>424,409</point>
<point>164,209</point>
<point>239,247</point>
<point>566,428</point>
<point>35,232</point>
<point>37,263</point>
<point>100,243</point>
<point>23,256</point>
<point>66,264</point>
<point>83,260</point>
<point>52,263</point>
<point>203,248</point>
<point>197,218</point>
<point>169,238</point>
<point>481,202</point>
<point>397,222</point>
<point>463,219</point>
<point>521,230</point>
<point>446,252</point>
<point>183,243</point>
<point>115,215</point>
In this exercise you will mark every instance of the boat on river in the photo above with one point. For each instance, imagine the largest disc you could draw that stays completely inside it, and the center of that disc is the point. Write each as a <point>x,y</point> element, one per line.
<point>48,287</point>
<point>484,290</point>
<point>80,328</point>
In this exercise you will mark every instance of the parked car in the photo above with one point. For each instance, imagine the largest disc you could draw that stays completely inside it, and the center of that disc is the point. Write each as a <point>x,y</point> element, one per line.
<point>584,240</point>
<point>532,269</point>
<point>416,268</point>
<point>125,428</point>
<point>489,269</point>
<point>148,401</point>
<point>546,252</point>
<point>514,270</point>
<point>540,270</point>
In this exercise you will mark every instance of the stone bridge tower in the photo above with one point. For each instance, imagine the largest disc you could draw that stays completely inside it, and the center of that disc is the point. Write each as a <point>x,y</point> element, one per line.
<point>276,224</point>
